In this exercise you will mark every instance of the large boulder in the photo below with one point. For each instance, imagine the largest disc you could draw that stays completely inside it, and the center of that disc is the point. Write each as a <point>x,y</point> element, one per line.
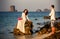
<point>28,29</point>
<point>47,29</point>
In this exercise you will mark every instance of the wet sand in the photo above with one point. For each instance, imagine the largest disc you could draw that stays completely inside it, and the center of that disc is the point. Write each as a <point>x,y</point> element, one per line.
<point>34,36</point>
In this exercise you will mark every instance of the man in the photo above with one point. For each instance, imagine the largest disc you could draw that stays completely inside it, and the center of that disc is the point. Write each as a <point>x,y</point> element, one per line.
<point>52,15</point>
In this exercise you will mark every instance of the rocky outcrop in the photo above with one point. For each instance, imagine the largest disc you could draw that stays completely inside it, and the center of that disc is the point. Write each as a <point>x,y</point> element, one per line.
<point>46,10</point>
<point>46,17</point>
<point>38,10</point>
<point>47,29</point>
<point>28,29</point>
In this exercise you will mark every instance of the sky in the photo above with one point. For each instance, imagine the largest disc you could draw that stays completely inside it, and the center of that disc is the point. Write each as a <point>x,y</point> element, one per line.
<point>31,5</point>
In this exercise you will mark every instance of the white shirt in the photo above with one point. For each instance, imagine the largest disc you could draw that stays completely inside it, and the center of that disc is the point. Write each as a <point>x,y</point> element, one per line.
<point>52,14</point>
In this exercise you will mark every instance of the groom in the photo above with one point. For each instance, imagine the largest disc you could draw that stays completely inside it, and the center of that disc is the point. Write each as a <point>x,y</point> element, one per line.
<point>52,15</point>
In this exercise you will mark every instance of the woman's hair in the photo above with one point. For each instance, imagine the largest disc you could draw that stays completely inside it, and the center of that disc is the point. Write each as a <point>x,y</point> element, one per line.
<point>52,6</point>
<point>26,11</point>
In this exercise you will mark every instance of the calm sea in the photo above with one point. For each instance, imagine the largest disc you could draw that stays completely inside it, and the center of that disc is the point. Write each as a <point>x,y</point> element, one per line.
<point>8,21</point>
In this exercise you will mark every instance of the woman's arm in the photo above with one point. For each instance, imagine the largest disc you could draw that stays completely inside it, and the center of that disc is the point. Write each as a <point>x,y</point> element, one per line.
<point>27,17</point>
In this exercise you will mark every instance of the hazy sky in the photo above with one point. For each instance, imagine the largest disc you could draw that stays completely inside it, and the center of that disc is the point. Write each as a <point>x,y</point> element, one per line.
<point>31,5</point>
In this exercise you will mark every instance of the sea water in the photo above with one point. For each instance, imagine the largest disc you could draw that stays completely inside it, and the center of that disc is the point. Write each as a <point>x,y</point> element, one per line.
<point>8,21</point>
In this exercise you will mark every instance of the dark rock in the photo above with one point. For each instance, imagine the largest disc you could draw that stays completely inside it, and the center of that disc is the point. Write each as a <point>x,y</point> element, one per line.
<point>28,29</point>
<point>46,10</point>
<point>38,23</point>
<point>55,36</point>
<point>58,18</point>
<point>47,29</point>
<point>46,17</point>
<point>36,19</point>
<point>17,32</point>
<point>10,32</point>
<point>38,10</point>
<point>57,25</point>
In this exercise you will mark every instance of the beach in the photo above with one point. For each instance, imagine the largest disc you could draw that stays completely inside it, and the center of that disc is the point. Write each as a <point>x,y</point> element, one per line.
<point>8,21</point>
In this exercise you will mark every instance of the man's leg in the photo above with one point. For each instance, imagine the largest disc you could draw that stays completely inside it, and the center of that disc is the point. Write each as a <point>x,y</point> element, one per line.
<point>53,30</point>
<point>52,27</point>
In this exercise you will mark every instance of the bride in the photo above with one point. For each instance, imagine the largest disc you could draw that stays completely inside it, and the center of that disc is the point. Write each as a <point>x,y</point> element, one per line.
<point>22,20</point>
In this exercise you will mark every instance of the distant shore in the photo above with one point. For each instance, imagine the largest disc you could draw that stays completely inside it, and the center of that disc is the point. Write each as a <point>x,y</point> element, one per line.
<point>29,11</point>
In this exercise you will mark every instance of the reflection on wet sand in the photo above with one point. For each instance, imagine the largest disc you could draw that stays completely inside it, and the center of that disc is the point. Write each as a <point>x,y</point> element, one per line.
<point>24,37</point>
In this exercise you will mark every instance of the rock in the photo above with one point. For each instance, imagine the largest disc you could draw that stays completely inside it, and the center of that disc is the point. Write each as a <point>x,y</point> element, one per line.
<point>55,36</point>
<point>46,17</point>
<point>36,19</point>
<point>57,25</point>
<point>38,23</point>
<point>28,29</point>
<point>58,18</point>
<point>47,29</point>
<point>17,32</point>
<point>11,32</point>
<point>38,10</point>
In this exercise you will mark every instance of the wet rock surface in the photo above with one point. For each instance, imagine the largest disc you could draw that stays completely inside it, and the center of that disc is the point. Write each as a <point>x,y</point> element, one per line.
<point>44,30</point>
<point>47,29</point>
<point>28,29</point>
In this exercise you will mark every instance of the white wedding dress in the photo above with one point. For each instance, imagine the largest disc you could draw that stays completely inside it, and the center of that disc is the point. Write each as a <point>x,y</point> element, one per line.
<point>21,23</point>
